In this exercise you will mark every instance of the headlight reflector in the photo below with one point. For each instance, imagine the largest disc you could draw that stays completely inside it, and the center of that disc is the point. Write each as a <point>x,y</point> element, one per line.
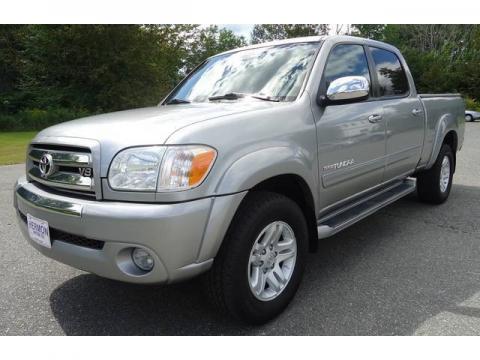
<point>136,168</point>
<point>162,168</point>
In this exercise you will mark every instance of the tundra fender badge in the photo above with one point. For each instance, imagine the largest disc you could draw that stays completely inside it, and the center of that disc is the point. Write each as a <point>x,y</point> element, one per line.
<point>339,165</point>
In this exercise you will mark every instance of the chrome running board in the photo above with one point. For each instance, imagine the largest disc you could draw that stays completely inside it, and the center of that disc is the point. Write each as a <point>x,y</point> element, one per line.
<point>359,209</point>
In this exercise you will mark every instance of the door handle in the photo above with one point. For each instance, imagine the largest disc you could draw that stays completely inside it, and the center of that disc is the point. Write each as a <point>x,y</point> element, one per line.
<point>416,112</point>
<point>374,118</point>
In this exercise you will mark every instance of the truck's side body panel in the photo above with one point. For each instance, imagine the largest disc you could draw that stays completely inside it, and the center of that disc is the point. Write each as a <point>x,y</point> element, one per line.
<point>405,131</point>
<point>351,150</point>
<point>444,113</point>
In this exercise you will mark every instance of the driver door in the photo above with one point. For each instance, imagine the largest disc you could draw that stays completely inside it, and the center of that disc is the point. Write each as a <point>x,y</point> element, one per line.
<point>351,137</point>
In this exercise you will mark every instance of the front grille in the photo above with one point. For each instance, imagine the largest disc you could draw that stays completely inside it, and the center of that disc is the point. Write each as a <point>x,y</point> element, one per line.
<point>59,235</point>
<point>63,168</point>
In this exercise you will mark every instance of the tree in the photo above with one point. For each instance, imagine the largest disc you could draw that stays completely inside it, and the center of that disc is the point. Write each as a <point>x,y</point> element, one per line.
<point>101,67</point>
<point>209,41</point>
<point>442,58</point>
<point>430,37</point>
<point>269,32</point>
<point>369,31</point>
<point>11,66</point>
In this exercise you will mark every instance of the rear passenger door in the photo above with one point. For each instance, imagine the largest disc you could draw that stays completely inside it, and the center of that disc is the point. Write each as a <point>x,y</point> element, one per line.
<point>351,137</point>
<point>402,113</point>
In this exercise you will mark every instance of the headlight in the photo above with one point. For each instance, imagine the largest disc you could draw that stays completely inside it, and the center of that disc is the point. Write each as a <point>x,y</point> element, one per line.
<point>162,168</point>
<point>136,168</point>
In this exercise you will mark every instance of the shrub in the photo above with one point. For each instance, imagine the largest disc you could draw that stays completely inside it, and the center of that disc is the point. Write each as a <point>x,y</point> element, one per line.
<point>37,119</point>
<point>472,104</point>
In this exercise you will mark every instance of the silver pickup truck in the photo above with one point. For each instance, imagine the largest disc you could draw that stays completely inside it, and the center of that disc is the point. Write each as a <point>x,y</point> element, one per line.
<point>256,155</point>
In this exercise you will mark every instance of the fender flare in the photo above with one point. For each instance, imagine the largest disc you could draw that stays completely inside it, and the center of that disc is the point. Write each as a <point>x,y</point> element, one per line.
<point>255,167</point>
<point>242,175</point>
<point>445,124</point>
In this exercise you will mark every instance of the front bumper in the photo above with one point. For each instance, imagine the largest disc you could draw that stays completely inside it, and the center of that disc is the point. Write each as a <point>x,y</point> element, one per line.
<point>181,237</point>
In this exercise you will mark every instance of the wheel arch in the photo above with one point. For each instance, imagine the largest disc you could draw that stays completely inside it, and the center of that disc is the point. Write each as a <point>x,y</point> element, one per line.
<point>451,139</point>
<point>295,188</point>
<point>445,133</point>
<point>287,170</point>
<point>263,164</point>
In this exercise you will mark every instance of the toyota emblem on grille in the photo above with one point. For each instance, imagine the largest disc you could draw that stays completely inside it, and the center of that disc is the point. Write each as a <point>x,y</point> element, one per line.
<point>46,165</point>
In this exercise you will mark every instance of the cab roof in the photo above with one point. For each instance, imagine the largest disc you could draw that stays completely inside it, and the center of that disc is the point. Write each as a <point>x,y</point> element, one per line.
<point>307,39</point>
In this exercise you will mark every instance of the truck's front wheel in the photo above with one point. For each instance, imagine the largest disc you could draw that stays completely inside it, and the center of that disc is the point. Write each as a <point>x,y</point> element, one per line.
<point>433,185</point>
<point>260,264</point>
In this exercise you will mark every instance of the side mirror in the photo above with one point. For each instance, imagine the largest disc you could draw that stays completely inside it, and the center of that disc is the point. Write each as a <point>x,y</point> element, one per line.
<point>348,88</point>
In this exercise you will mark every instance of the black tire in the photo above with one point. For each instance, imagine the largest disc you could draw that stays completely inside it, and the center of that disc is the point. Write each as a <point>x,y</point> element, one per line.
<point>428,182</point>
<point>227,281</point>
<point>468,118</point>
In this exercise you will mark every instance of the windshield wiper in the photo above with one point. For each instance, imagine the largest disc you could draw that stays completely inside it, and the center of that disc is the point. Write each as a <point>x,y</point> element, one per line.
<point>227,96</point>
<point>236,96</point>
<point>177,101</point>
<point>266,98</point>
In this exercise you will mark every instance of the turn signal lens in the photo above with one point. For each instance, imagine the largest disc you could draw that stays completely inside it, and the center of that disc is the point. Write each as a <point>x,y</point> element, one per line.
<point>200,166</point>
<point>184,167</point>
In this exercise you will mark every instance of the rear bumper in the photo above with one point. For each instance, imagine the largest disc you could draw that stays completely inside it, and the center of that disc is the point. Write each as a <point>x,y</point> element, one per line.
<point>180,237</point>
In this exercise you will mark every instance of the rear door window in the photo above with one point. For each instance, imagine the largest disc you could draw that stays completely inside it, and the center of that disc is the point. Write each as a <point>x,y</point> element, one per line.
<point>390,73</point>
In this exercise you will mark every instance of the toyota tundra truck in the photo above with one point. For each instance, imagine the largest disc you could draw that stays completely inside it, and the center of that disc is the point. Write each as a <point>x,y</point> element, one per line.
<point>256,155</point>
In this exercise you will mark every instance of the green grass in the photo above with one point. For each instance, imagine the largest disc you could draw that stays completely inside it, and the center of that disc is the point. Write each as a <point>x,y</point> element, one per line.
<point>13,146</point>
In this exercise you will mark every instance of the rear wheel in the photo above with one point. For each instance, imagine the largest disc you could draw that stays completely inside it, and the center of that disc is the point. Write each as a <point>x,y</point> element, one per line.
<point>468,118</point>
<point>434,185</point>
<point>260,264</point>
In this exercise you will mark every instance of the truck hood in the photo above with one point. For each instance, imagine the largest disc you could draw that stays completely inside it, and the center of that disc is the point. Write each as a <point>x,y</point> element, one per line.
<point>146,126</point>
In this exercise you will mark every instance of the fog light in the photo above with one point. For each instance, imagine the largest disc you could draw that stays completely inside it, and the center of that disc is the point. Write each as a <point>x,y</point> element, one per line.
<point>142,259</point>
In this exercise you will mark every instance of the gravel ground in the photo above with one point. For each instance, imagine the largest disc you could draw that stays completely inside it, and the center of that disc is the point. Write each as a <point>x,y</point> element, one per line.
<point>409,269</point>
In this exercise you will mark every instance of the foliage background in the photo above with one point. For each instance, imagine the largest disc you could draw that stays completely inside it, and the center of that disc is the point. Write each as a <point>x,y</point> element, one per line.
<point>54,73</point>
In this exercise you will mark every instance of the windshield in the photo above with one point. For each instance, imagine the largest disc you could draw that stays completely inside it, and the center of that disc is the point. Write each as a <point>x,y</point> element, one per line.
<point>275,72</point>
